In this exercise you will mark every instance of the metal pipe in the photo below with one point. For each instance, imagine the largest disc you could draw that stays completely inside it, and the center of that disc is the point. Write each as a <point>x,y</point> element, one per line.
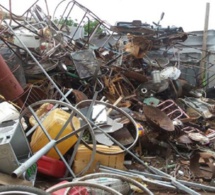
<point>153,176</point>
<point>65,125</point>
<point>187,183</point>
<point>176,183</point>
<point>19,171</point>
<point>75,132</point>
<point>198,185</point>
<point>125,173</point>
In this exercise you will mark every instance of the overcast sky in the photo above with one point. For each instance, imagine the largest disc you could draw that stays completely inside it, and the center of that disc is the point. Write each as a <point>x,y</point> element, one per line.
<point>189,14</point>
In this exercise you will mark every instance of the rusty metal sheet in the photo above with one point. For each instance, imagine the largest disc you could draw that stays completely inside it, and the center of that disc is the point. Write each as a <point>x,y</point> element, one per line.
<point>157,118</point>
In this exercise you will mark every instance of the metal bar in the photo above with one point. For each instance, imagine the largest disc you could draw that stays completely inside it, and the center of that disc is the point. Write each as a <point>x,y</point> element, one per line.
<point>30,7</point>
<point>88,27</point>
<point>65,125</point>
<point>89,111</point>
<point>39,122</point>
<point>71,134</point>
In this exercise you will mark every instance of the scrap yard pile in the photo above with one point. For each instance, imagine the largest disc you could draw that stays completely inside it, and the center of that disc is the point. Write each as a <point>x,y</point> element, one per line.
<point>90,108</point>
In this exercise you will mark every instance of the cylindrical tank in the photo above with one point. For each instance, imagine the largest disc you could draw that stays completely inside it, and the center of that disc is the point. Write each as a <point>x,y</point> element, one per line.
<point>9,86</point>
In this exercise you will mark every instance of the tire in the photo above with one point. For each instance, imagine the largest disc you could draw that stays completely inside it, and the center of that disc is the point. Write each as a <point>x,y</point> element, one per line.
<point>21,190</point>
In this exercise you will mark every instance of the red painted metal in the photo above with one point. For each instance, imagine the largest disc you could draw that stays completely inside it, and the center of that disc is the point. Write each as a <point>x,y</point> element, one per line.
<point>9,86</point>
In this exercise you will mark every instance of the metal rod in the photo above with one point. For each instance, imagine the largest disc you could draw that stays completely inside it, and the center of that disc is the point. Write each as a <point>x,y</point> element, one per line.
<point>24,166</point>
<point>198,185</point>
<point>71,134</point>
<point>176,183</point>
<point>65,125</point>
<point>153,176</point>
<point>187,183</point>
<point>125,173</point>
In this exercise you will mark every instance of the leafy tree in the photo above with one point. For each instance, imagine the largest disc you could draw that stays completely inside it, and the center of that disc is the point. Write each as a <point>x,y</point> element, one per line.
<point>67,22</point>
<point>91,25</point>
<point>88,26</point>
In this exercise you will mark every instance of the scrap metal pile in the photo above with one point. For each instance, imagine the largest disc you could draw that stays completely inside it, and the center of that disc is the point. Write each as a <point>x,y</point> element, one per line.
<point>104,103</point>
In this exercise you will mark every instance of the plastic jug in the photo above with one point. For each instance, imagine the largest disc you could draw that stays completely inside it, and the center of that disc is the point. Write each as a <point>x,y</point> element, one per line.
<point>53,123</point>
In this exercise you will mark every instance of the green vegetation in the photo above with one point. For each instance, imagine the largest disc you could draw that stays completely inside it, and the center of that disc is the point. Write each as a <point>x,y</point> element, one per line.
<point>88,26</point>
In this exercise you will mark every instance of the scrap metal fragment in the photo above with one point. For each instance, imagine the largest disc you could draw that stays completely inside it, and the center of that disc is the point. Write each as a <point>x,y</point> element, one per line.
<point>157,118</point>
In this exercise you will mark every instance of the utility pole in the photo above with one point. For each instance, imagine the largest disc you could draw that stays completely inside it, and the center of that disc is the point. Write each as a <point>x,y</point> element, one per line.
<point>204,47</point>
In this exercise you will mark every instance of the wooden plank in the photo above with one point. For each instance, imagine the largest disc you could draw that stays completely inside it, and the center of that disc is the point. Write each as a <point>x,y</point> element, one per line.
<point>8,180</point>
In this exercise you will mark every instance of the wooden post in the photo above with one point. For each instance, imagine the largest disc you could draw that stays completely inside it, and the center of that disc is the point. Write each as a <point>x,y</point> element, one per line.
<point>204,46</point>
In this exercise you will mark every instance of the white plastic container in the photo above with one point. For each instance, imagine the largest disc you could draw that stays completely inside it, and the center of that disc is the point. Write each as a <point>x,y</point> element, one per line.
<point>8,112</point>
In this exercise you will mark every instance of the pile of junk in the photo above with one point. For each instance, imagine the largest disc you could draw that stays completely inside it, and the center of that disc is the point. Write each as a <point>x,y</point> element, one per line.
<point>102,110</point>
